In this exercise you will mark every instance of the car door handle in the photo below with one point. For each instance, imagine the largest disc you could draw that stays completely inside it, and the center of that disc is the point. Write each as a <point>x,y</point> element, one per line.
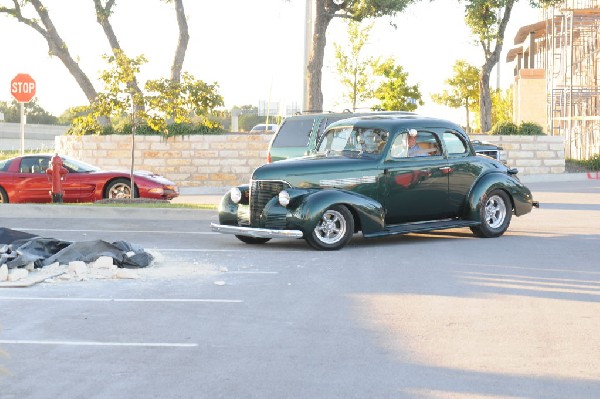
<point>446,170</point>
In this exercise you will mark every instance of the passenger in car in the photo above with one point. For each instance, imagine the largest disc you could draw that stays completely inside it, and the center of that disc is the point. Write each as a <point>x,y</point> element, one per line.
<point>414,150</point>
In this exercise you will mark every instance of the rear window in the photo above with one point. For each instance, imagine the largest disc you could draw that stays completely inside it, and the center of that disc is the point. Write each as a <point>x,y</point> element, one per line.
<point>294,133</point>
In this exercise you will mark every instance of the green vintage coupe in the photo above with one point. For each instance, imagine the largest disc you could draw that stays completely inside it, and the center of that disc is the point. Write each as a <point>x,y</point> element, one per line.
<point>381,175</point>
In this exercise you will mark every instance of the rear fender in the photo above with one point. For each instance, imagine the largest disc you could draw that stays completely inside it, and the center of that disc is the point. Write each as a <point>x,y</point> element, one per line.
<point>520,196</point>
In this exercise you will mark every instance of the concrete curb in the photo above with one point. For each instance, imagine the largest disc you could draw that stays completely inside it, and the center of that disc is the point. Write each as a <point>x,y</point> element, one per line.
<point>63,211</point>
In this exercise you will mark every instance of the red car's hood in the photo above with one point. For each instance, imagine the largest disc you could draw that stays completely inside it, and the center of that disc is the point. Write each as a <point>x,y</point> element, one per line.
<point>137,173</point>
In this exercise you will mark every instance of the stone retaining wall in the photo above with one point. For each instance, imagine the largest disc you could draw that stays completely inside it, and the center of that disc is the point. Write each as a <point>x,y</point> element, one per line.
<point>209,163</point>
<point>532,155</point>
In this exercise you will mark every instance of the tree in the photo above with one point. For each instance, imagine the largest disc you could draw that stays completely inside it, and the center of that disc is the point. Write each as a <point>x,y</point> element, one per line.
<point>56,46</point>
<point>464,90</point>
<point>352,67</point>
<point>325,11</point>
<point>35,113</point>
<point>487,20</point>
<point>104,9</point>
<point>502,106</point>
<point>394,93</point>
<point>182,40</point>
<point>165,100</point>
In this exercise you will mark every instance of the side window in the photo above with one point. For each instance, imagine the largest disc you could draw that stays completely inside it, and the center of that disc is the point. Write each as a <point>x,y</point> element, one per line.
<point>415,144</point>
<point>27,165</point>
<point>454,143</point>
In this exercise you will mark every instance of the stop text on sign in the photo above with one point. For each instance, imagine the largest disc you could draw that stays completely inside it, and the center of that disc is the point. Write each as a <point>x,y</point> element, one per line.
<point>23,87</point>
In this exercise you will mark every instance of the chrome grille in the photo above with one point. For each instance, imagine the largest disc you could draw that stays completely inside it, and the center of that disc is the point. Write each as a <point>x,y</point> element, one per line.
<point>243,215</point>
<point>261,192</point>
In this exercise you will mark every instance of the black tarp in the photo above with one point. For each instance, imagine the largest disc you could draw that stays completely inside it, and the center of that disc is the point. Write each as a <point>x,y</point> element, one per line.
<point>18,249</point>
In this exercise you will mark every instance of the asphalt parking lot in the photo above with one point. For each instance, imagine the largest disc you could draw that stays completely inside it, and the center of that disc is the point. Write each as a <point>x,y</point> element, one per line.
<point>438,315</point>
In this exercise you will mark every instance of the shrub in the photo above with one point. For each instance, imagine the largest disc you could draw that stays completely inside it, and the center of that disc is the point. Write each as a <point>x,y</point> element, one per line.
<point>530,129</point>
<point>593,163</point>
<point>505,128</point>
<point>176,129</point>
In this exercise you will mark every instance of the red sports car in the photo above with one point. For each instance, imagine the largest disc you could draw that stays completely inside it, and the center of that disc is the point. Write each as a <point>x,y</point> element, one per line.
<point>24,179</point>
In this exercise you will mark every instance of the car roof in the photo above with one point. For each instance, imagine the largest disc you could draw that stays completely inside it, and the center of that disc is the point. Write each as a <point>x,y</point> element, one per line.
<point>394,121</point>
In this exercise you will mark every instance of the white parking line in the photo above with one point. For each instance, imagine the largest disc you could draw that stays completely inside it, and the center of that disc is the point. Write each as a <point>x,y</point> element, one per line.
<point>96,343</point>
<point>224,250</point>
<point>30,298</point>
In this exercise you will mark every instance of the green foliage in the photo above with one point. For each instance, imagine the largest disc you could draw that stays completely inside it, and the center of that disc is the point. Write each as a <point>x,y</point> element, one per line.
<point>166,105</point>
<point>502,106</point>
<point>464,86</point>
<point>361,9</point>
<point>506,128</point>
<point>394,93</point>
<point>530,129</point>
<point>464,90</point>
<point>593,163</point>
<point>35,113</point>
<point>352,67</point>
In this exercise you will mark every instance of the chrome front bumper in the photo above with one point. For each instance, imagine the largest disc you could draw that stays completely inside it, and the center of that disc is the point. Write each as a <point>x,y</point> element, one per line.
<point>255,232</point>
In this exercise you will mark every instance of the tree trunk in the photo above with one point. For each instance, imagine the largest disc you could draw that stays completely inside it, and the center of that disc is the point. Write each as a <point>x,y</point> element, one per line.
<point>182,42</point>
<point>468,117</point>
<point>314,95</point>
<point>102,16</point>
<point>491,59</point>
<point>57,47</point>
<point>485,101</point>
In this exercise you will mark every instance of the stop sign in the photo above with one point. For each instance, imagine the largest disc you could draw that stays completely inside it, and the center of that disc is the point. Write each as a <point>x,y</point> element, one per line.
<point>22,87</point>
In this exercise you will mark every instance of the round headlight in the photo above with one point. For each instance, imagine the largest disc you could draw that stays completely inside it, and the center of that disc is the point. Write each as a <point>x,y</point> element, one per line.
<point>235,194</point>
<point>284,198</point>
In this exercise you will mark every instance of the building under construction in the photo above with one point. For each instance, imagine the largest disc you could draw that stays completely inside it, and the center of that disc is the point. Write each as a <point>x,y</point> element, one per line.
<point>557,63</point>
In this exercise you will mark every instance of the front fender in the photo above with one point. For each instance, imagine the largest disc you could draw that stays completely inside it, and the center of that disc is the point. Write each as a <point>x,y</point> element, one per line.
<point>521,198</point>
<point>228,210</point>
<point>311,206</point>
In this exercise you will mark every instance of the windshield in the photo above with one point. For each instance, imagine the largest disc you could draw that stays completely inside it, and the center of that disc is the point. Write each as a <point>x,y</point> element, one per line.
<point>357,140</point>
<point>73,165</point>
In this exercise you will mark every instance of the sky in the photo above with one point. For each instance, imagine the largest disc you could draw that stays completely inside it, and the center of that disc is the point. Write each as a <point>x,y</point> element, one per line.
<point>254,50</point>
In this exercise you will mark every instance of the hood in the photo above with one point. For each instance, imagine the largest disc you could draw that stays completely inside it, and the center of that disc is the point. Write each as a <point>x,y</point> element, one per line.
<point>314,171</point>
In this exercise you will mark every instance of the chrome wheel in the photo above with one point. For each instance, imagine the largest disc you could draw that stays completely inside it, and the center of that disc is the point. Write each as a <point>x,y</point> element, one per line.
<point>495,212</point>
<point>119,189</point>
<point>333,230</point>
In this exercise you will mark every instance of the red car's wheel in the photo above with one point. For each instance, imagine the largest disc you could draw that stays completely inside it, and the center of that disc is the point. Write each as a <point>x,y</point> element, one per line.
<point>3,196</point>
<point>118,189</point>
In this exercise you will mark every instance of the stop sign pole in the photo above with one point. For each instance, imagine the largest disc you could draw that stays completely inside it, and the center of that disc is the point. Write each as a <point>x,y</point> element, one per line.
<point>23,88</point>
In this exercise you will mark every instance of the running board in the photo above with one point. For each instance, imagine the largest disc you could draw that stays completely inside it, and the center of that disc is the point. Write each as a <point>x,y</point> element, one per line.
<point>421,226</point>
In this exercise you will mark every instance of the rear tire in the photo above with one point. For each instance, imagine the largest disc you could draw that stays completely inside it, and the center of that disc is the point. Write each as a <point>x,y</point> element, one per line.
<point>333,231</point>
<point>252,240</point>
<point>495,213</point>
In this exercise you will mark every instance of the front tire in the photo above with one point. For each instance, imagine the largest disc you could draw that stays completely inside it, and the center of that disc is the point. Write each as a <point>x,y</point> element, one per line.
<point>252,240</point>
<point>118,189</point>
<point>495,213</point>
<point>333,231</point>
<point>3,196</point>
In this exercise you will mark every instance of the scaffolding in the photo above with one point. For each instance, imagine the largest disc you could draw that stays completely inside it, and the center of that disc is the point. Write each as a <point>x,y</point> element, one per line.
<point>566,45</point>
